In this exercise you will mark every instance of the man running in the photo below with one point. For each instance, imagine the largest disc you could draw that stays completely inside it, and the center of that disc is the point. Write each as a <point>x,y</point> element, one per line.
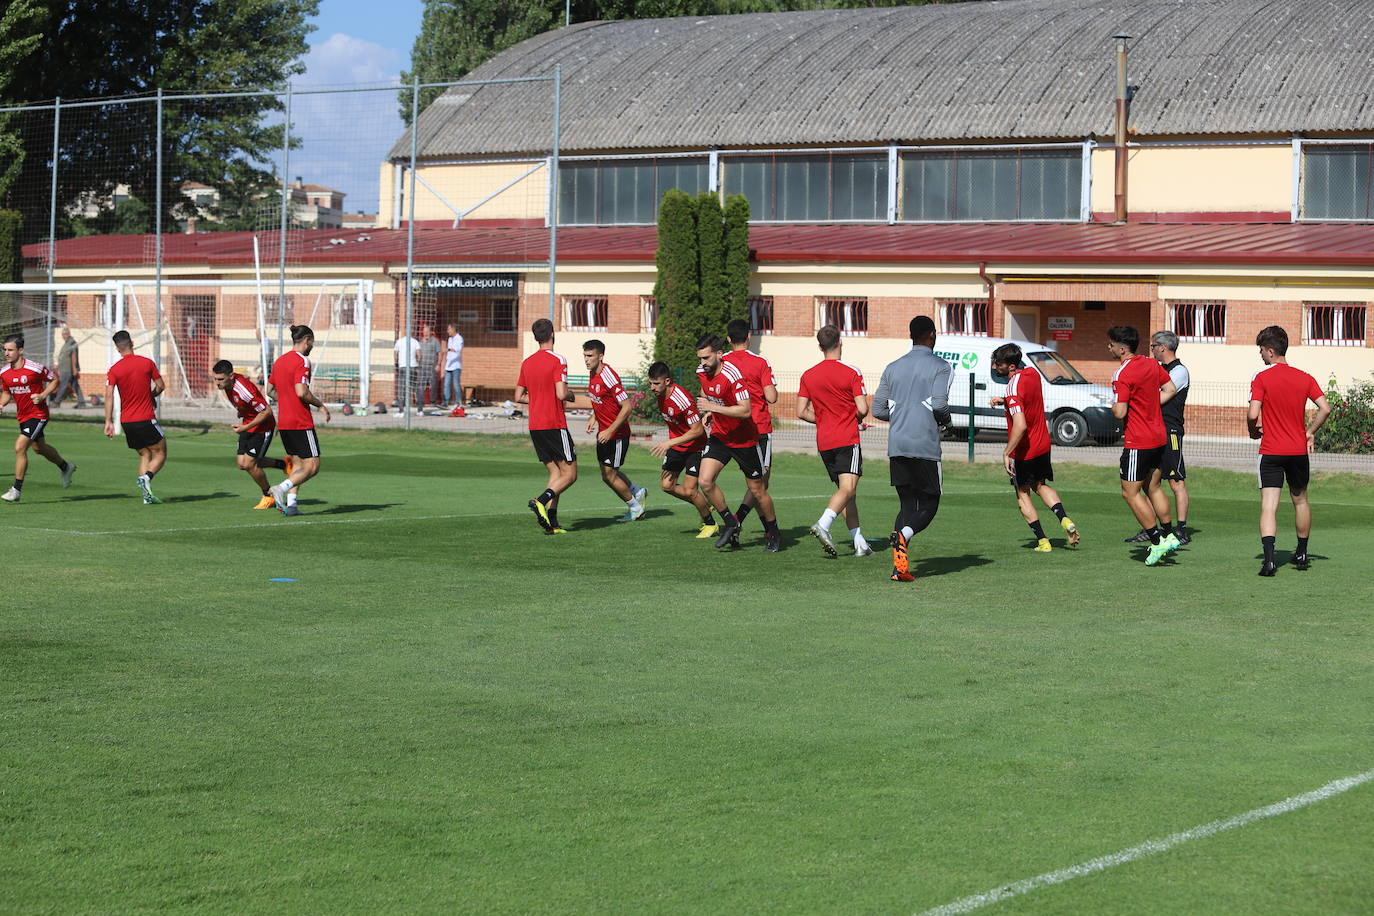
<point>733,437</point>
<point>29,385</point>
<point>1139,385</point>
<point>913,397</point>
<point>290,382</point>
<point>681,451</point>
<point>255,427</point>
<point>543,382</point>
<point>139,383</point>
<point>1027,455</point>
<point>758,378</point>
<point>832,396</point>
<point>610,421</point>
<point>1277,417</point>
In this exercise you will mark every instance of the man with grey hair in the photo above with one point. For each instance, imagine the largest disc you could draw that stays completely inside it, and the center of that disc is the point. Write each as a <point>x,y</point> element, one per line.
<point>1164,347</point>
<point>913,397</point>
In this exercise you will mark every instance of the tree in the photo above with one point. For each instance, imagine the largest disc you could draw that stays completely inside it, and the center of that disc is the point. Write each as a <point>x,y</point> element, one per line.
<point>18,39</point>
<point>710,257</point>
<point>677,291</point>
<point>738,268</point>
<point>175,45</point>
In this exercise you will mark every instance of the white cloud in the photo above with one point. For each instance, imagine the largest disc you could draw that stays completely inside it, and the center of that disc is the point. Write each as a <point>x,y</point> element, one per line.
<point>344,60</point>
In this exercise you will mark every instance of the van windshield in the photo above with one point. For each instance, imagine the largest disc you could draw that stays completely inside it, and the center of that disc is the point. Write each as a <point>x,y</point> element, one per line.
<point>1056,369</point>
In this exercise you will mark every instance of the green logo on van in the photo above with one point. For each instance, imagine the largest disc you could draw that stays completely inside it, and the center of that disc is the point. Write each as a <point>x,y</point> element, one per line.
<point>969,361</point>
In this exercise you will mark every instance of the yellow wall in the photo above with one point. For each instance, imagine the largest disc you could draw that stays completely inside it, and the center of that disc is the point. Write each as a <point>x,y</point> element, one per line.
<point>463,186</point>
<point>1197,179</point>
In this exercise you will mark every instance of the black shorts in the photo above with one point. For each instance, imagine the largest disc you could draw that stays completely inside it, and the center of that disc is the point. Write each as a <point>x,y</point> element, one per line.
<point>553,445</point>
<point>1140,463</point>
<point>847,459</point>
<point>33,428</point>
<point>142,434</point>
<point>749,457</point>
<point>920,474</point>
<point>612,454</point>
<point>300,443</point>
<point>1031,471</point>
<point>675,462</point>
<point>1172,462</point>
<point>1275,469</point>
<point>766,450</point>
<point>256,443</point>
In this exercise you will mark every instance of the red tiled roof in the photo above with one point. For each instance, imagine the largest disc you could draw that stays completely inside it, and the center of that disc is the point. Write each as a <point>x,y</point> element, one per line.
<point>1140,244</point>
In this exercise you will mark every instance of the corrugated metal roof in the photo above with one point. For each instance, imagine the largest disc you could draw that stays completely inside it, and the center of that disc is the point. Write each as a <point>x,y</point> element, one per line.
<point>1132,245</point>
<point>1003,69</point>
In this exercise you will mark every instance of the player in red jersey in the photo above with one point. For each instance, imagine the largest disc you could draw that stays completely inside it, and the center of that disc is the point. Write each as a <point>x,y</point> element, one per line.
<point>1278,418</point>
<point>543,382</point>
<point>256,427</point>
<point>681,451</point>
<point>29,385</point>
<point>1140,385</point>
<point>733,438</point>
<point>139,383</point>
<point>610,421</point>
<point>832,396</point>
<point>758,378</point>
<point>1027,455</point>
<point>290,384</point>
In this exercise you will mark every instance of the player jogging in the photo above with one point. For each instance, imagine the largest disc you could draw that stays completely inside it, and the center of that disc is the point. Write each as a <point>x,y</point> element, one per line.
<point>543,382</point>
<point>1140,383</point>
<point>290,382</point>
<point>832,396</point>
<point>610,420</point>
<point>29,385</point>
<point>1277,417</point>
<point>138,382</point>
<point>758,379</point>
<point>733,437</point>
<point>681,451</point>
<point>256,427</point>
<point>913,397</point>
<point>1027,455</point>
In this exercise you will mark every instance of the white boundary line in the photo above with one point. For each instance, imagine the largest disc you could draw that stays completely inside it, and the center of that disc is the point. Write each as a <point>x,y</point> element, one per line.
<point>1148,848</point>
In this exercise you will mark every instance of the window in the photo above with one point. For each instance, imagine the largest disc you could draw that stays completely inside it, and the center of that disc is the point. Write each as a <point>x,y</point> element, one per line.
<point>965,316</point>
<point>995,185</point>
<point>271,304</point>
<point>502,315</point>
<point>346,310</point>
<point>761,314</point>
<point>1202,321</point>
<point>1334,324</point>
<point>803,188</point>
<point>623,191</point>
<point>648,313</point>
<point>849,315</point>
<point>585,313</point>
<point>1336,181</point>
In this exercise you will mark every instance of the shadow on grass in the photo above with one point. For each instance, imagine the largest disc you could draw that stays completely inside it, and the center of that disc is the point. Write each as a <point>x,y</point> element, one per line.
<point>85,496</point>
<point>591,524</point>
<point>939,566</point>
<point>352,507</point>
<point>201,497</point>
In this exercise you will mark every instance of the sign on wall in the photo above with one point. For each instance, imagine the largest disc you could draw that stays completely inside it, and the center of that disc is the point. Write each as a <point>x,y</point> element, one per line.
<point>479,284</point>
<point>1060,326</point>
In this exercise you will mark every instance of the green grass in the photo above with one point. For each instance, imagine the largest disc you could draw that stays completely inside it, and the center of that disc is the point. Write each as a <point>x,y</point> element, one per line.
<point>452,711</point>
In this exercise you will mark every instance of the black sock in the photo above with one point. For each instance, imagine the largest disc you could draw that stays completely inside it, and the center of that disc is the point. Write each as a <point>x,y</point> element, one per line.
<point>1166,528</point>
<point>1302,547</point>
<point>1058,510</point>
<point>1180,525</point>
<point>1039,531</point>
<point>729,518</point>
<point>742,512</point>
<point>1155,535</point>
<point>553,519</point>
<point>770,525</point>
<point>266,492</point>
<point>1268,543</point>
<point>66,466</point>
<point>149,474</point>
<point>707,518</point>
<point>18,484</point>
<point>545,497</point>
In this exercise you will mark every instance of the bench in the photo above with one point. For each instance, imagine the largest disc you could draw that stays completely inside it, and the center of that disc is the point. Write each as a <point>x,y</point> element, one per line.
<point>577,384</point>
<point>337,384</point>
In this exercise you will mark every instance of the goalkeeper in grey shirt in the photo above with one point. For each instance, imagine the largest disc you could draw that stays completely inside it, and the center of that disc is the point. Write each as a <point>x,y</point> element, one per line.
<point>913,397</point>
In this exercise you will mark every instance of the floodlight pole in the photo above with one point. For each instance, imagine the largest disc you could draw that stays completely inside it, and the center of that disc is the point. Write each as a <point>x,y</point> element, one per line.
<point>553,185</point>
<point>410,242</point>
<point>285,212</point>
<point>52,213</point>
<point>157,239</point>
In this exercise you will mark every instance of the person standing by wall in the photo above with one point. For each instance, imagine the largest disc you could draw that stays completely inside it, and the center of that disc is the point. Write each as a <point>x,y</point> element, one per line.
<point>406,355</point>
<point>427,389</point>
<point>453,368</point>
<point>69,370</point>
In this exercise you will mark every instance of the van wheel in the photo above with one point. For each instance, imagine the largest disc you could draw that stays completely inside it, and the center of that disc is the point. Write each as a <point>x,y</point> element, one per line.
<point>1069,429</point>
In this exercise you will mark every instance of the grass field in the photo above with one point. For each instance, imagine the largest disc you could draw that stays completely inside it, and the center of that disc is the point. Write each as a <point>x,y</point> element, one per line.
<point>452,711</point>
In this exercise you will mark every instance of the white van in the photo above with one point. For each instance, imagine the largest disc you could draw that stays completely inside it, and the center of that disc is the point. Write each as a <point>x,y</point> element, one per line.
<point>1075,409</point>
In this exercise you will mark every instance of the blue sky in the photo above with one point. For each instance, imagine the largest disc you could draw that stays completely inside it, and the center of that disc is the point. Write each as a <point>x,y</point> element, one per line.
<point>345,136</point>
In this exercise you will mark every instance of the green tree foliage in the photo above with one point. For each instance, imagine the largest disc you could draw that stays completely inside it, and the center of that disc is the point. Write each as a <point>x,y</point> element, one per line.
<point>737,265</point>
<point>96,48</point>
<point>11,268</point>
<point>18,39</point>
<point>1350,428</point>
<point>677,289</point>
<point>715,310</point>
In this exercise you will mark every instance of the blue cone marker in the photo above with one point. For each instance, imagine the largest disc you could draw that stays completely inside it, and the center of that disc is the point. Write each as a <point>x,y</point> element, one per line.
<point>283,580</point>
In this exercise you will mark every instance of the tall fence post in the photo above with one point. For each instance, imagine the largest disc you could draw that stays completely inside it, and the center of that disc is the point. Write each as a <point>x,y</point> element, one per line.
<point>157,235</point>
<point>405,372</point>
<point>972,430</point>
<point>285,215</point>
<point>52,217</point>
<point>553,186</point>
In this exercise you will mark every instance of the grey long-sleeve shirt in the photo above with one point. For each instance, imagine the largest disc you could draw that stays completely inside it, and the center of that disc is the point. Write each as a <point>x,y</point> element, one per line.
<point>913,397</point>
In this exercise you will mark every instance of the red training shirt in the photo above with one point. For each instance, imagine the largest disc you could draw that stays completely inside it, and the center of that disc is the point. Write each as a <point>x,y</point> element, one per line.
<point>291,369</point>
<point>757,373</point>
<point>727,389</point>
<point>248,402</point>
<point>680,412</point>
<point>540,374</point>
<point>1025,396</point>
<point>133,376</point>
<point>23,382</point>
<point>1283,393</point>
<point>1137,383</point>
<point>607,394</point>
<point>832,386</point>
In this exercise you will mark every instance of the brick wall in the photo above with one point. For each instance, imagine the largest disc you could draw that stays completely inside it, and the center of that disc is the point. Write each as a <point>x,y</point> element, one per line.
<point>1088,349</point>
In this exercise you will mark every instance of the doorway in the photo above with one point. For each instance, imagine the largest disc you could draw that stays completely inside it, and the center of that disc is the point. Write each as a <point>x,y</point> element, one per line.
<point>1022,322</point>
